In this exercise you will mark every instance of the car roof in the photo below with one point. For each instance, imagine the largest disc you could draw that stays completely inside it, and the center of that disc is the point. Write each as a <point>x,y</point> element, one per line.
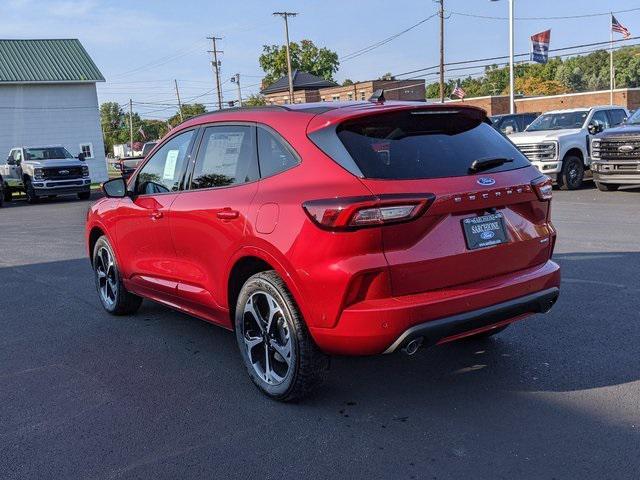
<point>328,112</point>
<point>586,109</point>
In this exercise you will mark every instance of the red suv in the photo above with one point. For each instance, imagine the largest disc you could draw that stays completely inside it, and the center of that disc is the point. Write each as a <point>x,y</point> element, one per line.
<point>340,228</point>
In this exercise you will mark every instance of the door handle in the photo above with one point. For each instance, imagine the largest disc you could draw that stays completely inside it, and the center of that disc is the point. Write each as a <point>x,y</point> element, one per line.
<point>227,214</point>
<point>156,215</point>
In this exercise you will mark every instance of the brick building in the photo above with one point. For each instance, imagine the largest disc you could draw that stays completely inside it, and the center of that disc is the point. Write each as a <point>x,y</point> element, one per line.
<point>495,105</point>
<point>310,88</point>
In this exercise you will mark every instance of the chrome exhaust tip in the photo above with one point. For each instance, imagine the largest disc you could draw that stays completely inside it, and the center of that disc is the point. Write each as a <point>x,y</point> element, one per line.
<point>413,346</point>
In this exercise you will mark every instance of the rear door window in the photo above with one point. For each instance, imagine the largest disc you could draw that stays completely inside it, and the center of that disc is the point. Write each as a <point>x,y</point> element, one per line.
<point>423,143</point>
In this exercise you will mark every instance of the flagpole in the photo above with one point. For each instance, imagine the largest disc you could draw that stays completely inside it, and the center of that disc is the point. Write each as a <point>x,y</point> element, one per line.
<point>611,60</point>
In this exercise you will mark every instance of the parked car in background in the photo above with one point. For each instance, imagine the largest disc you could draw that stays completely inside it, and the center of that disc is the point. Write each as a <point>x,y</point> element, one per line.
<point>512,122</point>
<point>615,155</point>
<point>350,228</point>
<point>558,143</point>
<point>45,171</point>
<point>127,165</point>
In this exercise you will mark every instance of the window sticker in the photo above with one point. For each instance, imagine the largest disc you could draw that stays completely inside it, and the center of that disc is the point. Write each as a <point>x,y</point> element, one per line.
<point>170,165</point>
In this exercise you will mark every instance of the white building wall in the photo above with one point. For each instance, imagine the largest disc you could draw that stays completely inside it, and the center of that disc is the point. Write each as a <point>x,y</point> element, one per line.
<point>53,114</point>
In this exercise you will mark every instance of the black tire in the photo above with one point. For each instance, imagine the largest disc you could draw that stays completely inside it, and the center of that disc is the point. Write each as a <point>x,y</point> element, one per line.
<point>572,174</point>
<point>1,196</point>
<point>487,333</point>
<point>121,301</point>
<point>30,192</point>
<point>7,194</point>
<point>84,195</point>
<point>307,365</point>
<point>607,187</point>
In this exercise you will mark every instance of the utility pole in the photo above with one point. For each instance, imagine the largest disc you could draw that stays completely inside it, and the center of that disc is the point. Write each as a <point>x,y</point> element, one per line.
<point>441,13</point>
<point>285,16</point>
<point>512,93</point>
<point>236,79</point>
<point>131,125</point>
<point>612,75</point>
<point>179,103</point>
<point>216,67</point>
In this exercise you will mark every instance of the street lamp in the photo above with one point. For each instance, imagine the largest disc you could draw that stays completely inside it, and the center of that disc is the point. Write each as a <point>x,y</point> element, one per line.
<point>512,105</point>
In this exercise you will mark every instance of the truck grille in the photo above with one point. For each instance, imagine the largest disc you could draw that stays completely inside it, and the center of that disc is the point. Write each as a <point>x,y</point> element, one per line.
<point>62,173</point>
<point>539,152</point>
<point>621,148</point>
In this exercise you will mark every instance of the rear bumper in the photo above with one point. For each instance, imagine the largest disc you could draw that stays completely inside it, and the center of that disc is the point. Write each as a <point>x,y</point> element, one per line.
<point>382,326</point>
<point>436,330</point>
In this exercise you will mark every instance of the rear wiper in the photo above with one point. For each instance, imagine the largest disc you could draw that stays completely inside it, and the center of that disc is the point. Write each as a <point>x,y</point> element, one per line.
<point>487,163</point>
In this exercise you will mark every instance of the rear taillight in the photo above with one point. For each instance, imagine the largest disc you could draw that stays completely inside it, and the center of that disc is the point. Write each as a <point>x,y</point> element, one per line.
<point>543,187</point>
<point>350,213</point>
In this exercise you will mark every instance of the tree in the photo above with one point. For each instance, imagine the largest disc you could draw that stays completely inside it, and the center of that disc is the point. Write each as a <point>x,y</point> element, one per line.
<point>347,82</point>
<point>305,56</point>
<point>188,110</point>
<point>255,100</point>
<point>387,76</point>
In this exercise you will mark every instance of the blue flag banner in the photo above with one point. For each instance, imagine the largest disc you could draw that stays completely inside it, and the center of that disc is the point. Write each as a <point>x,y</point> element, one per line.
<point>540,46</point>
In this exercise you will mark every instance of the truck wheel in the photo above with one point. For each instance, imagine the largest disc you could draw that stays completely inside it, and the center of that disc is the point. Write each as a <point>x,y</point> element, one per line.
<point>115,298</point>
<point>31,193</point>
<point>7,194</point>
<point>607,187</point>
<point>572,173</point>
<point>276,347</point>
<point>84,195</point>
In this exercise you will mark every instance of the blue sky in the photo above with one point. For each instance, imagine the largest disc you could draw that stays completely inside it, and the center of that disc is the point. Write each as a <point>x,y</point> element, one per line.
<point>142,46</point>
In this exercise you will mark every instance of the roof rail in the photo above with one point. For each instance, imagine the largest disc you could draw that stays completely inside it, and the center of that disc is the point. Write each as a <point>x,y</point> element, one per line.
<point>377,96</point>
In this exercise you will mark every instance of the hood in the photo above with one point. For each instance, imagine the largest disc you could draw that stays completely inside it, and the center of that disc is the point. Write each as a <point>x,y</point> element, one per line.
<point>621,131</point>
<point>541,136</point>
<point>63,162</point>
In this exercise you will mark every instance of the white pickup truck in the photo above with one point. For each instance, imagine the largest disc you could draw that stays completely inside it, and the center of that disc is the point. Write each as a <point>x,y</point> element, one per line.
<point>558,142</point>
<point>44,171</point>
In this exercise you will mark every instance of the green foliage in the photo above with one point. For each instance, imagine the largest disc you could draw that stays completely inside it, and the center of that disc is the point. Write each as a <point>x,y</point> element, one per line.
<point>347,82</point>
<point>575,74</point>
<point>188,110</point>
<point>305,56</point>
<point>255,100</point>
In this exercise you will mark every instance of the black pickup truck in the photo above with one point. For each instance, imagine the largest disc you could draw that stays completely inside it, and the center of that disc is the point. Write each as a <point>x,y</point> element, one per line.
<point>615,155</point>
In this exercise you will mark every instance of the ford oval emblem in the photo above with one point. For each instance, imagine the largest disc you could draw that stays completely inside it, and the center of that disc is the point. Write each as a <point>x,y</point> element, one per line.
<point>487,235</point>
<point>486,181</point>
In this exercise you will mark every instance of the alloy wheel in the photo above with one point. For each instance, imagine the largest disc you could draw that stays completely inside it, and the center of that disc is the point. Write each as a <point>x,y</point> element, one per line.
<point>267,338</point>
<point>106,274</point>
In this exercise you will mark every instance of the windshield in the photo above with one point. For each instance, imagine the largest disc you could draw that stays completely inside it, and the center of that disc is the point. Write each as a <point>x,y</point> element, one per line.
<point>634,119</point>
<point>558,121</point>
<point>425,144</point>
<point>47,153</point>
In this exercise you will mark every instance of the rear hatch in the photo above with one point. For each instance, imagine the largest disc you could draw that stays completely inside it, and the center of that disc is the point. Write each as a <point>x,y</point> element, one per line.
<point>484,220</point>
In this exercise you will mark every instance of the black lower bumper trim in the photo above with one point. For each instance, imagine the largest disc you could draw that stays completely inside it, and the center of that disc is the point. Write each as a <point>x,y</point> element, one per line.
<point>435,330</point>
<point>62,191</point>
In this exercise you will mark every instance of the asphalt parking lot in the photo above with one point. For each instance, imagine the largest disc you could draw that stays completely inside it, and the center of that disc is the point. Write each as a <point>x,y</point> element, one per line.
<point>161,395</point>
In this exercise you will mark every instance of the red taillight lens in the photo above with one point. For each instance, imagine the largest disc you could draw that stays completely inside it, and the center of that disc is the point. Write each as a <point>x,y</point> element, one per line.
<point>543,187</point>
<point>351,213</point>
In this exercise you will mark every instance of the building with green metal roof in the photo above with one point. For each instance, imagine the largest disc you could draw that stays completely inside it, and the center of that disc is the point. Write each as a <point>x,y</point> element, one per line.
<point>48,97</point>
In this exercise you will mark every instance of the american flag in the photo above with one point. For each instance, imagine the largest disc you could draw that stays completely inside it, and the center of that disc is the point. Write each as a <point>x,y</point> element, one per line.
<point>458,92</point>
<point>616,26</point>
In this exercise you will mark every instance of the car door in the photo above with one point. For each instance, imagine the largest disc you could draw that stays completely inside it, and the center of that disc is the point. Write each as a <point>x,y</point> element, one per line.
<point>208,219</point>
<point>143,236</point>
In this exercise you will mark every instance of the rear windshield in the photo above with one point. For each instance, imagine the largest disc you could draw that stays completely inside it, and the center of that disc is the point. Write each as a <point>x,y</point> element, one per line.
<point>424,143</point>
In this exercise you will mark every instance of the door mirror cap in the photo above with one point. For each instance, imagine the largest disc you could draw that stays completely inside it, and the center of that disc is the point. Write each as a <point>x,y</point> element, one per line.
<point>595,128</point>
<point>81,157</point>
<point>115,188</point>
<point>11,161</point>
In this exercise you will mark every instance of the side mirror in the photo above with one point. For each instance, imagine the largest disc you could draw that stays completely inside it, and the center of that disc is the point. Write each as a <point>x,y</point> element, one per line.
<point>115,188</point>
<point>508,130</point>
<point>595,128</point>
<point>10,161</point>
<point>81,157</point>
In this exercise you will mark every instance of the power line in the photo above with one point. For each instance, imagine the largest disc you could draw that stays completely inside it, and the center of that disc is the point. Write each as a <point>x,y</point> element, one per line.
<point>565,17</point>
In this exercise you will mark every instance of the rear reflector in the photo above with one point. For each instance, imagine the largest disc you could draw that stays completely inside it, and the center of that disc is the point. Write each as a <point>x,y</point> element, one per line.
<point>544,187</point>
<point>350,213</point>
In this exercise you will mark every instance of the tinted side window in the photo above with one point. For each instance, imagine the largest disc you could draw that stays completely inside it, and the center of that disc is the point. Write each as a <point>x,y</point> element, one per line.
<point>425,144</point>
<point>163,172</point>
<point>274,155</point>
<point>227,156</point>
<point>617,117</point>
<point>509,122</point>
